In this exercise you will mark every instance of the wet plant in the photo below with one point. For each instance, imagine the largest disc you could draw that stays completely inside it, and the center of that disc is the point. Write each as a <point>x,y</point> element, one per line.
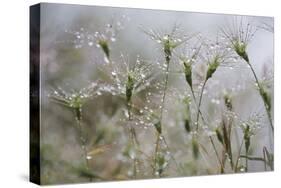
<point>239,37</point>
<point>215,56</point>
<point>75,102</point>
<point>169,42</point>
<point>173,112</point>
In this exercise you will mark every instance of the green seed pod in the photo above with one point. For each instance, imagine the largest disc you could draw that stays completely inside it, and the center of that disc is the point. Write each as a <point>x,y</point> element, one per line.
<point>212,67</point>
<point>266,97</point>
<point>219,136</point>
<point>104,46</point>
<point>187,125</point>
<point>129,88</point>
<point>158,127</point>
<point>195,148</point>
<point>188,73</point>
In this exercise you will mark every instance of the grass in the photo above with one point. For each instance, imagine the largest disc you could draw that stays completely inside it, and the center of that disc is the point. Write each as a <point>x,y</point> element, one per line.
<point>157,137</point>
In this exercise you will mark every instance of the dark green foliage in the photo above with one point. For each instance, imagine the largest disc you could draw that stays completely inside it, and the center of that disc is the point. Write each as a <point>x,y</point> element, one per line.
<point>187,125</point>
<point>158,127</point>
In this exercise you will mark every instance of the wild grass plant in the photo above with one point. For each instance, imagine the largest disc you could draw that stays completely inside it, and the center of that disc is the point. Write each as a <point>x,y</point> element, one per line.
<point>152,118</point>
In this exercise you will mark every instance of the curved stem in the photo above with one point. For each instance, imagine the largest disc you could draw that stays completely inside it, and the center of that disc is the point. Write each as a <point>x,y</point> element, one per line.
<point>260,90</point>
<point>216,151</point>
<point>199,104</point>
<point>161,114</point>
<point>83,143</point>
<point>197,120</point>
<point>238,157</point>
<point>198,109</point>
<point>133,139</point>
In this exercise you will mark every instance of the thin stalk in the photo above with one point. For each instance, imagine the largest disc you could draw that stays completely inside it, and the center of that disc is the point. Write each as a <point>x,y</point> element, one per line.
<point>260,92</point>
<point>172,156</point>
<point>197,120</point>
<point>161,113</point>
<point>229,143</point>
<point>246,158</point>
<point>133,139</point>
<point>216,152</point>
<point>198,109</point>
<point>83,142</point>
<point>239,154</point>
<point>199,104</point>
<point>264,157</point>
<point>161,117</point>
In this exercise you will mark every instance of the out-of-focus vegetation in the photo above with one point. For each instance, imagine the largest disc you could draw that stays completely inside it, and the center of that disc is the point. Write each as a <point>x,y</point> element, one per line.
<point>128,95</point>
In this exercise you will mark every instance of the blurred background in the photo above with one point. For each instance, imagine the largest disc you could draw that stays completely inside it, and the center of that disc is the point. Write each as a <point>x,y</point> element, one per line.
<point>71,60</point>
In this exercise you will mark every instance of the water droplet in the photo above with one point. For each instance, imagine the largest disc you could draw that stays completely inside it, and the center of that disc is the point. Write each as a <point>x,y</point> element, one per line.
<point>166,37</point>
<point>113,73</point>
<point>242,169</point>
<point>113,39</point>
<point>90,43</point>
<point>89,157</point>
<point>106,60</point>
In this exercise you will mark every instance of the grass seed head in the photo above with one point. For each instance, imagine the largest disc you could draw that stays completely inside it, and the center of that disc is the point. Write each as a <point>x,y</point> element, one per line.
<point>104,46</point>
<point>266,97</point>
<point>129,87</point>
<point>239,34</point>
<point>188,72</point>
<point>240,48</point>
<point>212,66</point>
